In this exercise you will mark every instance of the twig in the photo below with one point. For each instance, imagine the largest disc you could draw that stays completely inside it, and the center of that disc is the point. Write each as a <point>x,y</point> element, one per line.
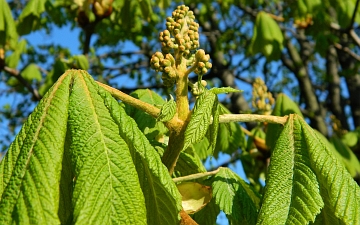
<point>196,176</point>
<point>226,118</point>
<point>348,51</point>
<point>15,73</point>
<point>146,107</point>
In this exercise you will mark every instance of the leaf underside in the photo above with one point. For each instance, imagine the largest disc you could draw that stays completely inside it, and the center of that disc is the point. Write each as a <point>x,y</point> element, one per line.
<point>75,161</point>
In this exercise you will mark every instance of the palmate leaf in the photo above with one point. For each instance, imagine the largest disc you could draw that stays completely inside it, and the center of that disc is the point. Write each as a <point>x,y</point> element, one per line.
<point>306,179</point>
<point>72,163</point>
<point>200,119</point>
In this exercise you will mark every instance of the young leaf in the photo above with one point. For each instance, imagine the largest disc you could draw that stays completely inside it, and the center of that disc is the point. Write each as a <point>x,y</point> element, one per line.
<point>30,171</point>
<point>239,202</point>
<point>212,132</point>
<point>200,118</point>
<point>162,199</point>
<point>31,72</point>
<point>29,18</point>
<point>81,62</point>
<point>304,170</point>
<point>7,25</point>
<point>223,90</point>
<point>168,111</point>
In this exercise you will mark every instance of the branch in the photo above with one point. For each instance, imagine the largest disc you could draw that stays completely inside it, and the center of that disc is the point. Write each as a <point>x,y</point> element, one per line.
<point>146,107</point>
<point>196,176</point>
<point>348,51</point>
<point>15,73</point>
<point>227,118</point>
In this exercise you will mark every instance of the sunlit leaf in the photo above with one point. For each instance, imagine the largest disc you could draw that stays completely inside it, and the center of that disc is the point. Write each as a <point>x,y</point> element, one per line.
<point>194,196</point>
<point>304,175</point>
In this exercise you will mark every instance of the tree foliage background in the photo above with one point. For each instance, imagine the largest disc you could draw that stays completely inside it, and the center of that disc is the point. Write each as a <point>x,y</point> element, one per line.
<point>307,49</point>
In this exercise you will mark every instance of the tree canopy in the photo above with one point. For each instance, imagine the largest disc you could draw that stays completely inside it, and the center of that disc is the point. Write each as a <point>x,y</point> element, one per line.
<point>306,49</point>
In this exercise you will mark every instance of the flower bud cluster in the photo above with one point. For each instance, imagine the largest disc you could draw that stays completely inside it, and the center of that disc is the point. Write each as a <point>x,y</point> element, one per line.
<point>197,89</point>
<point>184,31</point>
<point>165,65</point>
<point>202,62</point>
<point>262,100</point>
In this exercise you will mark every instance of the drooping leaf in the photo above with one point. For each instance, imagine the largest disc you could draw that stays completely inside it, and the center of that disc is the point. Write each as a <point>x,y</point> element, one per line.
<point>239,202</point>
<point>307,175</point>
<point>30,172</point>
<point>194,196</point>
<point>202,148</point>
<point>7,25</point>
<point>267,38</point>
<point>30,17</point>
<point>200,118</point>
<point>223,90</point>
<point>146,9</point>
<point>106,188</point>
<point>168,111</point>
<point>31,72</point>
<point>81,62</point>
<point>163,201</point>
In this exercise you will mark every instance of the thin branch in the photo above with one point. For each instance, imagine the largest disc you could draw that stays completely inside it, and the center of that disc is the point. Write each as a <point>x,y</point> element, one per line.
<point>196,176</point>
<point>227,118</point>
<point>15,73</point>
<point>146,107</point>
<point>348,51</point>
<point>355,37</point>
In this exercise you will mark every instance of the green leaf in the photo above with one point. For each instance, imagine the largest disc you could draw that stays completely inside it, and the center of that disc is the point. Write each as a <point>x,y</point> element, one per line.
<point>347,156</point>
<point>202,149</point>
<point>212,132</point>
<point>13,60</point>
<point>31,72</point>
<point>72,147</point>
<point>268,38</point>
<point>29,18</point>
<point>59,67</point>
<point>207,215</point>
<point>200,119</point>
<point>239,202</point>
<point>7,25</point>
<point>188,164</point>
<point>223,90</point>
<point>34,160</point>
<point>307,176</point>
<point>162,199</point>
<point>283,106</point>
<point>350,138</point>
<point>81,62</point>
<point>168,111</point>
<point>146,9</point>
<point>146,123</point>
